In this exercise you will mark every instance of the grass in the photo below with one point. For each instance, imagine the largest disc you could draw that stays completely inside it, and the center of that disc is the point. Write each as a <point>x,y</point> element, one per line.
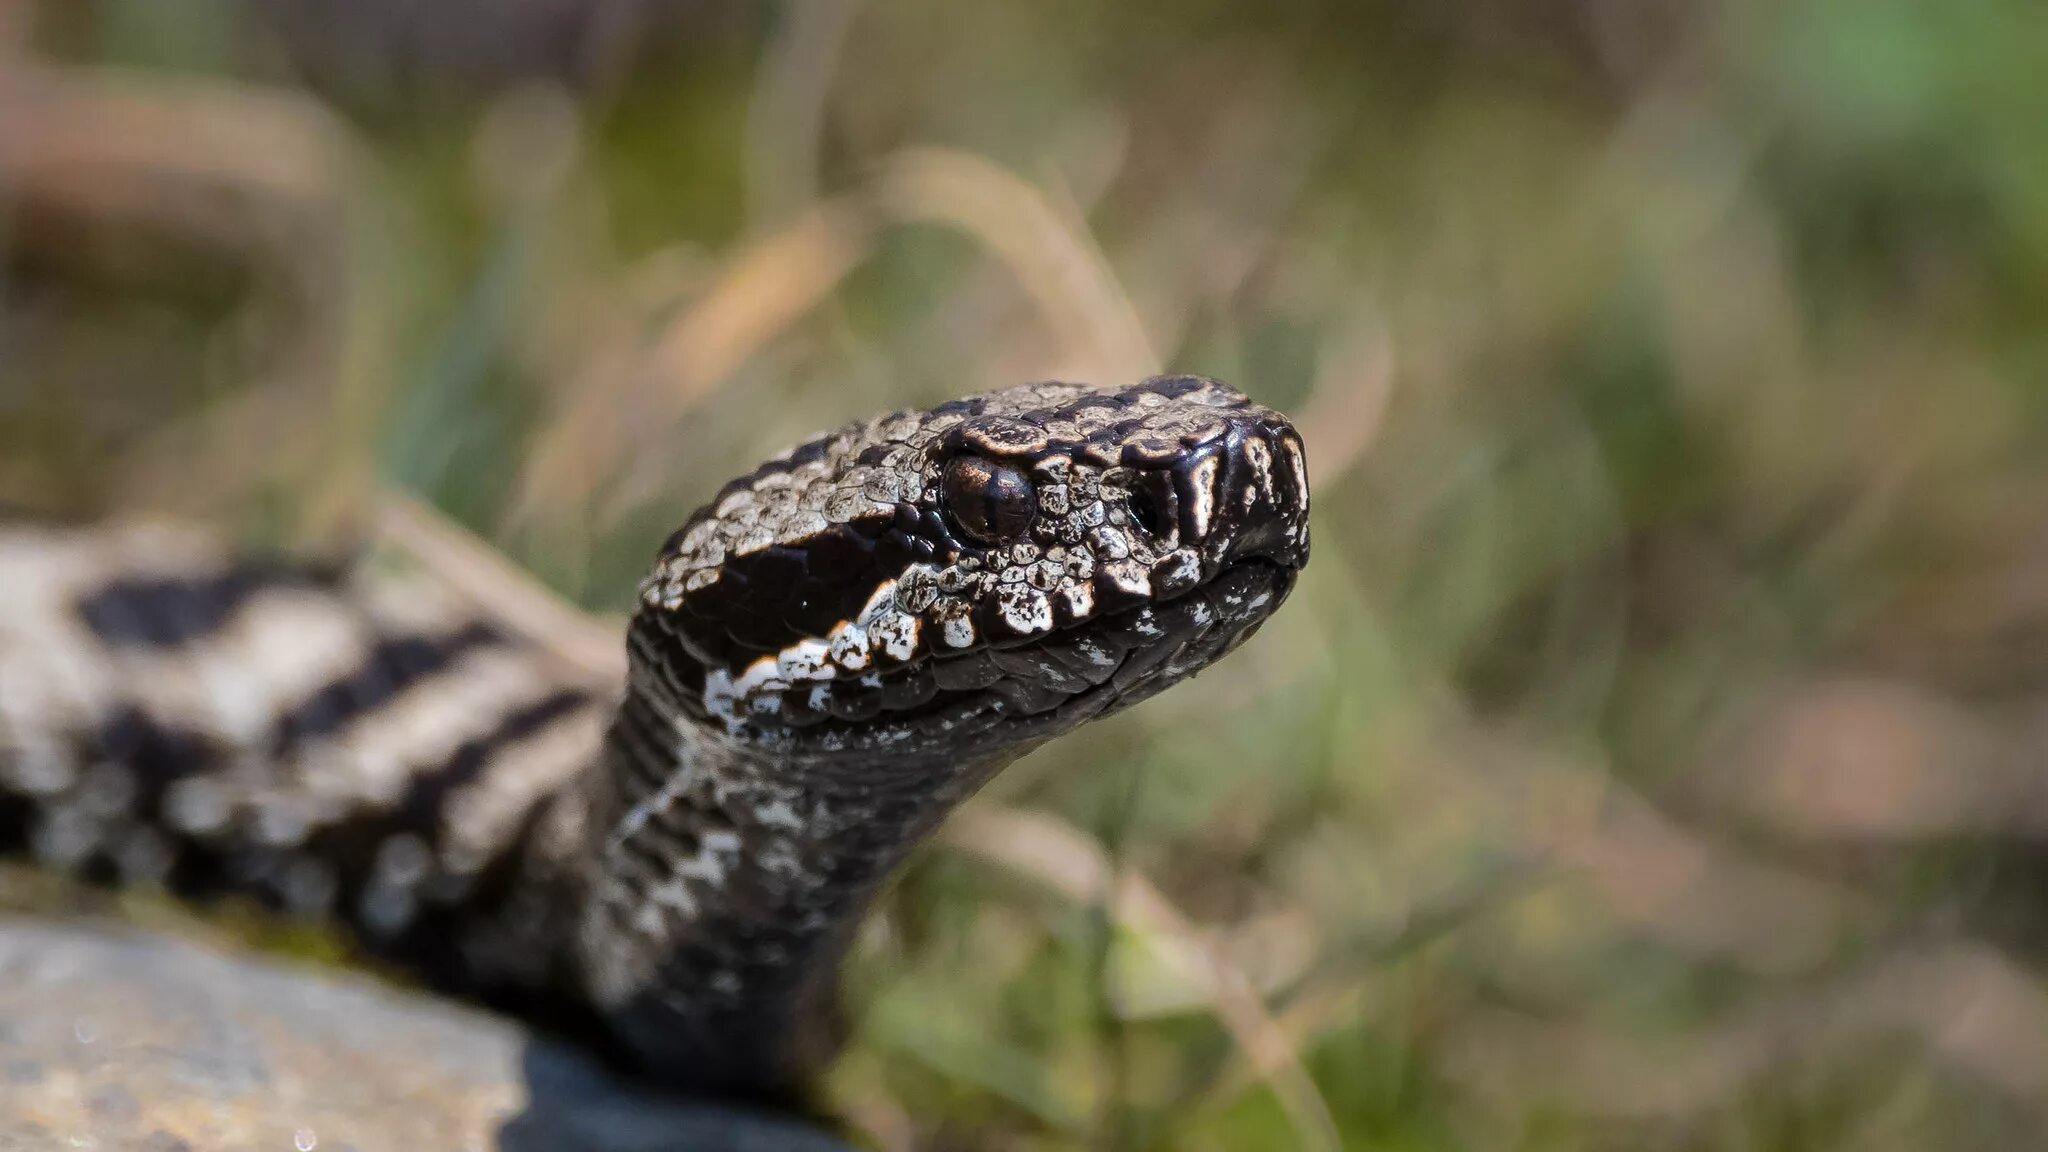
<point>1647,758</point>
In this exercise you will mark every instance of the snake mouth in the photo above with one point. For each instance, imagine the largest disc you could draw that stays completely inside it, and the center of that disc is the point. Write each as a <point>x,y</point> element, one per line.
<point>1030,690</point>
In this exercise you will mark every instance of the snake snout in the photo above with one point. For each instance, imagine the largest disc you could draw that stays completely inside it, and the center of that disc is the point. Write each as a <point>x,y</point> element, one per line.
<point>1249,499</point>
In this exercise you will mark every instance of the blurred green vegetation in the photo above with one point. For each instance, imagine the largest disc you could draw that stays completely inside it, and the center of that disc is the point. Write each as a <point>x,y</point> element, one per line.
<point>1650,758</point>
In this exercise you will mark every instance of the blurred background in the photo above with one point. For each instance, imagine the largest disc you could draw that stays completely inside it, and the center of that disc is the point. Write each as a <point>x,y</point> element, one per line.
<point>1653,756</point>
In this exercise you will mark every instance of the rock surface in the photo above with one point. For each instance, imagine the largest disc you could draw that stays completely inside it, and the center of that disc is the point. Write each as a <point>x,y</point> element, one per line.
<point>119,1042</point>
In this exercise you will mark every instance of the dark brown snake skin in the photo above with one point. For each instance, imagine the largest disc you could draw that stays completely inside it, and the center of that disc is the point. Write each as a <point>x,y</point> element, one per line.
<point>826,658</point>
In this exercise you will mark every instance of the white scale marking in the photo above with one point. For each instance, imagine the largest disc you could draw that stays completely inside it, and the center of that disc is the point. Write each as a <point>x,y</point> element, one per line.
<point>897,635</point>
<point>707,868</point>
<point>1080,597</point>
<point>1260,458</point>
<point>1201,504</point>
<point>958,631</point>
<point>805,660</point>
<point>1026,610</point>
<point>849,645</point>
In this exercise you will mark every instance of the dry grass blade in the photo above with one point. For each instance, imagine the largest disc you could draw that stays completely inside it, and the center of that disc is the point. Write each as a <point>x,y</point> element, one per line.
<point>1059,856</point>
<point>769,287</point>
<point>765,289</point>
<point>475,570</point>
<point>140,147</point>
<point>1051,254</point>
<point>777,280</point>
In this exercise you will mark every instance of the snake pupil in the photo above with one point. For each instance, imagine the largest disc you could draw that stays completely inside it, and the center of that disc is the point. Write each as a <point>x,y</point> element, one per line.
<point>988,502</point>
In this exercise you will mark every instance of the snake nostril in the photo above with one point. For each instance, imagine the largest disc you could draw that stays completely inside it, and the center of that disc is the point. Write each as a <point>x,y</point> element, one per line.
<point>1152,504</point>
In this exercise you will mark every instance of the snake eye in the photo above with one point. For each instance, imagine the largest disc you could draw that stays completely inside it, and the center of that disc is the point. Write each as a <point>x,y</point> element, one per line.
<point>988,502</point>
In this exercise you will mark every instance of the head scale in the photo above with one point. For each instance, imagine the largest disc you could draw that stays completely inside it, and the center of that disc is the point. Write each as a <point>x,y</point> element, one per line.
<point>995,569</point>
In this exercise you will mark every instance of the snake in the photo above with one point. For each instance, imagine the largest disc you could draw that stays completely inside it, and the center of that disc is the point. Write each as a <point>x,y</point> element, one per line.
<point>824,660</point>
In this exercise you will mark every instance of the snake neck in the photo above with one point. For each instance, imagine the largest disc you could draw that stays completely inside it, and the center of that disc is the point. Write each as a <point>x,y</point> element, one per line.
<point>726,882</point>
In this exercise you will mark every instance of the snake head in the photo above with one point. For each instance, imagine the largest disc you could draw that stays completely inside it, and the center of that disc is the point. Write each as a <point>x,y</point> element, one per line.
<point>998,568</point>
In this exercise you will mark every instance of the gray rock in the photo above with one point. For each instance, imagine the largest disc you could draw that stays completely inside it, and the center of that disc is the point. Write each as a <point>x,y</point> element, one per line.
<point>116,1041</point>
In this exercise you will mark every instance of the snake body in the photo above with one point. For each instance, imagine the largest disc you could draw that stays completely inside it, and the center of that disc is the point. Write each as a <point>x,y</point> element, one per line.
<point>825,659</point>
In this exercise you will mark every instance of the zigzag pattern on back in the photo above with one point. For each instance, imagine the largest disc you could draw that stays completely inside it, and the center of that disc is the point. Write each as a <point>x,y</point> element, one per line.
<point>335,742</point>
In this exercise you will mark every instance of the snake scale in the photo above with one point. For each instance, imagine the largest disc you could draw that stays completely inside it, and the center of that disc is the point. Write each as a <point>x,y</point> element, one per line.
<point>824,660</point>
